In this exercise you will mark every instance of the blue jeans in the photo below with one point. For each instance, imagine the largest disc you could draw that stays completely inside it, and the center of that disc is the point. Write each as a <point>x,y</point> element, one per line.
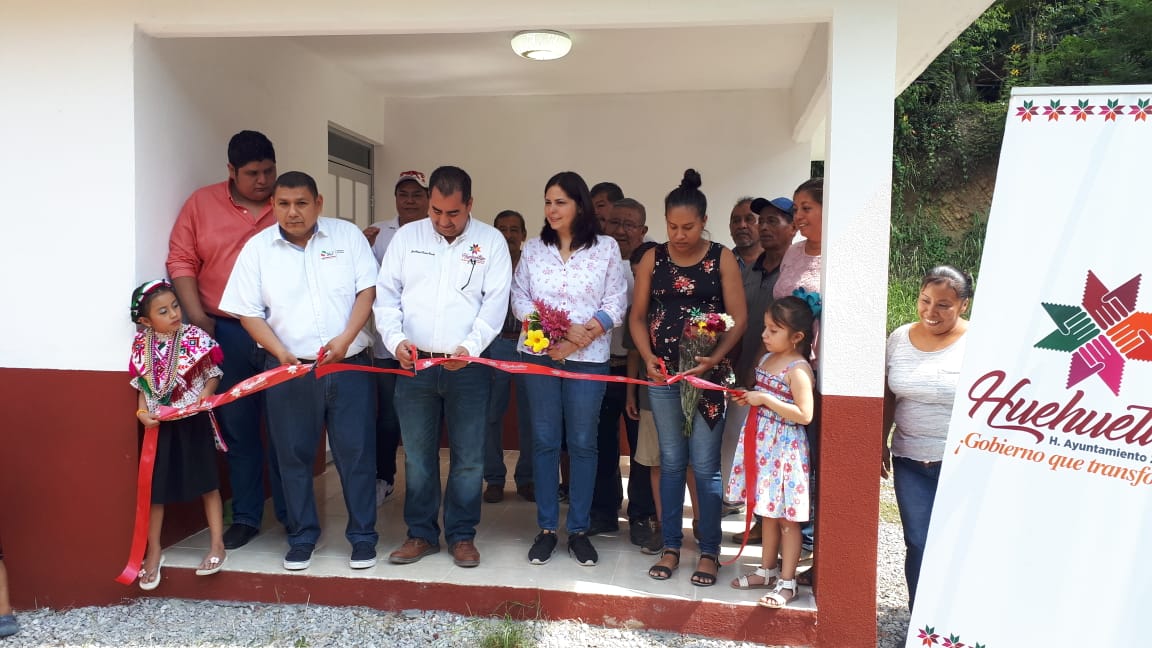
<point>461,399</point>
<point>298,411</point>
<point>387,424</point>
<point>915,486</point>
<point>495,472</point>
<point>240,427</point>
<point>702,451</point>
<point>562,406</point>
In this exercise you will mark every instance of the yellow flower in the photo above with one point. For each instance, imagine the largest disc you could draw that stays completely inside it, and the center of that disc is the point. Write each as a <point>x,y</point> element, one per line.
<point>536,341</point>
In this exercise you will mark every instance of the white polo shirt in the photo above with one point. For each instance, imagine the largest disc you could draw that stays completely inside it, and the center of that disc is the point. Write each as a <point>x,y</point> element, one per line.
<point>387,229</point>
<point>440,295</point>
<point>305,294</point>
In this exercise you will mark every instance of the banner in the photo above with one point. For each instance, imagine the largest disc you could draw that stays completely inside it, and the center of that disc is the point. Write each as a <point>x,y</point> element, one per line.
<point>1044,506</point>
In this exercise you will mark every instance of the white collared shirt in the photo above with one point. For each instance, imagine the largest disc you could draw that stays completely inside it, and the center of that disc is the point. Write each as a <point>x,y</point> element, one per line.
<point>440,295</point>
<point>388,230</point>
<point>591,280</point>
<point>305,294</point>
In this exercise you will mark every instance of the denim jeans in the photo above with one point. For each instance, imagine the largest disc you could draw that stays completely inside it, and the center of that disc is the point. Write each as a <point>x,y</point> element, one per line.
<point>608,493</point>
<point>460,398</point>
<point>563,406</point>
<point>298,412</point>
<point>915,486</point>
<point>495,472</point>
<point>387,424</point>
<point>677,452</point>
<point>240,427</point>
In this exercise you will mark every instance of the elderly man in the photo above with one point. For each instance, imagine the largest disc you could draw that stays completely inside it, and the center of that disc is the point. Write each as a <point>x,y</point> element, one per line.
<point>304,290</point>
<point>411,205</point>
<point>443,293</point>
<point>775,232</point>
<point>742,226</point>
<point>626,224</point>
<point>214,224</point>
<point>604,195</point>
<point>511,225</point>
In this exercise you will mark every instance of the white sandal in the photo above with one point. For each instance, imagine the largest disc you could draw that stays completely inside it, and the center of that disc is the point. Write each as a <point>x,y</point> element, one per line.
<point>776,599</point>
<point>144,573</point>
<point>214,565</point>
<point>770,577</point>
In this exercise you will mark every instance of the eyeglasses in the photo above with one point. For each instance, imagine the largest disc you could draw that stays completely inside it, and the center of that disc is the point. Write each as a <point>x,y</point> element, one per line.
<point>624,225</point>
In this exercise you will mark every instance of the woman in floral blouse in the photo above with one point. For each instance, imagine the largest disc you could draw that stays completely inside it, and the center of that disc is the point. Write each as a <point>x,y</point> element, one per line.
<point>687,276</point>
<point>573,269</point>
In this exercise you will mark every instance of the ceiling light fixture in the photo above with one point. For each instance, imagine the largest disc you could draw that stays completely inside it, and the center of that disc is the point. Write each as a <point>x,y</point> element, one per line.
<point>541,44</point>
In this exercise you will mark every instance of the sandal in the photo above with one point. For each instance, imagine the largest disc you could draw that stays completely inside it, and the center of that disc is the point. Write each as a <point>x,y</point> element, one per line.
<point>148,586</point>
<point>211,565</point>
<point>702,578</point>
<point>664,572</point>
<point>769,575</point>
<point>776,598</point>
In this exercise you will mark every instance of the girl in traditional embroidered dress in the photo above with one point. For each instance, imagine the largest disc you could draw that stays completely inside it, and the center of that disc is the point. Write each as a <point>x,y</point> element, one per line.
<point>176,364</point>
<point>783,398</point>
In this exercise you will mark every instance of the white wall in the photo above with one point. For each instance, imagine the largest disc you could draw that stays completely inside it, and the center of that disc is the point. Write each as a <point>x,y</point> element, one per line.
<point>740,142</point>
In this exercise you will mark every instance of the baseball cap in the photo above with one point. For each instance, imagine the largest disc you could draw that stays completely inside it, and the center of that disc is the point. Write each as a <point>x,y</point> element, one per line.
<point>782,204</point>
<point>414,176</point>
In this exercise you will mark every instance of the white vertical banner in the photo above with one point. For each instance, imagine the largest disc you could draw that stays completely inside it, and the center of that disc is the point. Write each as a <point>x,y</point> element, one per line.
<point>1044,508</point>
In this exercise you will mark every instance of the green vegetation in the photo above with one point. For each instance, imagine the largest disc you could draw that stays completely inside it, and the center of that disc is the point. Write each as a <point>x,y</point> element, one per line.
<point>950,121</point>
<point>507,633</point>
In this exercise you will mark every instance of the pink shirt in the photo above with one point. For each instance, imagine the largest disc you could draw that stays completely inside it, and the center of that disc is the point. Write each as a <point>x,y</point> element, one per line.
<point>591,280</point>
<point>797,270</point>
<point>207,237</point>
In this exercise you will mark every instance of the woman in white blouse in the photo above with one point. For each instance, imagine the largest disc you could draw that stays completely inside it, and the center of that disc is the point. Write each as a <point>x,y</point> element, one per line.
<point>923,368</point>
<point>571,268</point>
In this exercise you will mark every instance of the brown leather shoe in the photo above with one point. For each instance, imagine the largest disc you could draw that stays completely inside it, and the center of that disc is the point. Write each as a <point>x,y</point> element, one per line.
<point>755,534</point>
<point>413,550</point>
<point>494,493</point>
<point>465,554</point>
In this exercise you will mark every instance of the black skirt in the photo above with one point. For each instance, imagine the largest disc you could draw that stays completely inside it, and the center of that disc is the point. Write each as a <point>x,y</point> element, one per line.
<point>185,460</point>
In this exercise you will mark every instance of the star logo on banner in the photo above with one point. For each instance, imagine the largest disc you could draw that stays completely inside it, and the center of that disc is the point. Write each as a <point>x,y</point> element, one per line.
<point>1111,109</point>
<point>1081,110</point>
<point>1053,110</point>
<point>1101,333</point>
<point>1027,111</point>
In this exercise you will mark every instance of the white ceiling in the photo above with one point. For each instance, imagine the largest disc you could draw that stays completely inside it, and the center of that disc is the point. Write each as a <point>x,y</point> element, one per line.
<point>601,61</point>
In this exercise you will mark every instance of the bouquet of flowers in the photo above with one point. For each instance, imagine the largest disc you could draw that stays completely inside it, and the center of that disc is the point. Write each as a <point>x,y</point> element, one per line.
<point>544,327</point>
<point>701,332</point>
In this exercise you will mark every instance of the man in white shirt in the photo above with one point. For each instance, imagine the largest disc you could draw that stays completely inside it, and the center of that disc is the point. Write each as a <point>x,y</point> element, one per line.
<point>411,205</point>
<point>304,290</point>
<point>443,292</point>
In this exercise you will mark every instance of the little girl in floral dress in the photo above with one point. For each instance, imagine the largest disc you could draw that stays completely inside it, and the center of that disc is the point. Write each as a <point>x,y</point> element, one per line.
<point>782,403</point>
<point>176,364</point>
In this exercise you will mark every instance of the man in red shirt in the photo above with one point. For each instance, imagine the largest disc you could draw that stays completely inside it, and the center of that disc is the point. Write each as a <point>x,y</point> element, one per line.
<point>214,224</point>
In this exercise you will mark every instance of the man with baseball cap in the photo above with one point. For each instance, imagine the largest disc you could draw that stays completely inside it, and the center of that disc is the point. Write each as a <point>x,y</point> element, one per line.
<point>411,205</point>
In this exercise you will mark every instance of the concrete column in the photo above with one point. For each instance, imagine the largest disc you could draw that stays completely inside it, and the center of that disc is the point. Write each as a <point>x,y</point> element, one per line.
<point>857,196</point>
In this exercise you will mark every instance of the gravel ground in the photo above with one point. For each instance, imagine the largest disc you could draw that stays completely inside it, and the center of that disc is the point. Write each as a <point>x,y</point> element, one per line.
<point>173,623</point>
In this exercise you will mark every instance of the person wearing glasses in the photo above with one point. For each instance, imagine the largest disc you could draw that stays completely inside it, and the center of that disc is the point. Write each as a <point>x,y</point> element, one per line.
<point>442,292</point>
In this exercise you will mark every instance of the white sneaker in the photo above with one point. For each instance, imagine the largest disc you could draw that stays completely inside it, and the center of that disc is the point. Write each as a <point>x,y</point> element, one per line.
<point>384,491</point>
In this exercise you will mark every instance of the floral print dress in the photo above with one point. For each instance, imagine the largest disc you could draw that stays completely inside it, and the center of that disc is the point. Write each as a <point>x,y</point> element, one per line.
<point>782,488</point>
<point>676,292</point>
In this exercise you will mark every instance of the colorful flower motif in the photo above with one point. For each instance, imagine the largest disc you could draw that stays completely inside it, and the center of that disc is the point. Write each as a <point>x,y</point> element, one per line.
<point>1141,110</point>
<point>683,284</point>
<point>545,326</point>
<point>475,249</point>
<point>1027,111</point>
<point>1081,110</point>
<point>928,636</point>
<point>1111,109</point>
<point>1053,110</point>
<point>953,641</point>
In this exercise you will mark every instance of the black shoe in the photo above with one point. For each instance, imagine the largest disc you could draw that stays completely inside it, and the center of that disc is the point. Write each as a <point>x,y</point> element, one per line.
<point>562,493</point>
<point>656,541</point>
<point>542,548</point>
<point>299,557</point>
<point>602,525</point>
<point>239,535</point>
<point>580,547</point>
<point>639,531</point>
<point>363,556</point>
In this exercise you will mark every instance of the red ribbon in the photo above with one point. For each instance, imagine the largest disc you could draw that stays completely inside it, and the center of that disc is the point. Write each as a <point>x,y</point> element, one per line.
<point>284,373</point>
<point>751,475</point>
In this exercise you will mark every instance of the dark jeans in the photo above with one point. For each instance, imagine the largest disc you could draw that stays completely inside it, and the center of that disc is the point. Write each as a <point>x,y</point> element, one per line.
<point>298,412</point>
<point>240,427</point>
<point>915,485</point>
<point>495,472</point>
<point>387,423</point>
<point>422,401</point>
<point>607,496</point>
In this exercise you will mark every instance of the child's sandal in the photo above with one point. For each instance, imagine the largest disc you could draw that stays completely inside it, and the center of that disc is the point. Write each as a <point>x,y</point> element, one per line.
<point>664,572</point>
<point>703,578</point>
<point>769,576</point>
<point>776,598</point>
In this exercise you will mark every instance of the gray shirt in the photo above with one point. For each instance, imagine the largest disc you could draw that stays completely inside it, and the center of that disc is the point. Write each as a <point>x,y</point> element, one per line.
<point>924,383</point>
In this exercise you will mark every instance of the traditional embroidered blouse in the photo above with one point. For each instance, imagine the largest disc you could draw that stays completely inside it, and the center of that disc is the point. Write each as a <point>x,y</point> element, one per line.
<point>173,369</point>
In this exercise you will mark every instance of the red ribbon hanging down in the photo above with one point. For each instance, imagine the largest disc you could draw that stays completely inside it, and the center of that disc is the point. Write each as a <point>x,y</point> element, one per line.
<point>751,476</point>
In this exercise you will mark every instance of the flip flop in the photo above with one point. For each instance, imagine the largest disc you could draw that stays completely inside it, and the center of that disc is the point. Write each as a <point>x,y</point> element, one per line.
<point>149,586</point>
<point>215,563</point>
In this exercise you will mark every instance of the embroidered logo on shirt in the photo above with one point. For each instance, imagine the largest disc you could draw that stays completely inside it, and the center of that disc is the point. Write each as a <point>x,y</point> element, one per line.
<point>329,254</point>
<point>473,256</point>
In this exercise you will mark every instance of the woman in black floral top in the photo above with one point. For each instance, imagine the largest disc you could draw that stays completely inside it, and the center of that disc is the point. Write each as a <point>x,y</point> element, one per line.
<point>686,275</point>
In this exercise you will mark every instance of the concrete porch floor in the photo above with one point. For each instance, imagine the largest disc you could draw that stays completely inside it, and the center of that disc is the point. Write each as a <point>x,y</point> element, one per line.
<point>615,592</point>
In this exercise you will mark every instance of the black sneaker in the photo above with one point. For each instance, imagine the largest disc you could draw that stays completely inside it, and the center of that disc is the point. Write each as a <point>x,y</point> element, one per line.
<point>580,547</point>
<point>363,556</point>
<point>602,525</point>
<point>639,531</point>
<point>239,535</point>
<point>542,548</point>
<point>298,557</point>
